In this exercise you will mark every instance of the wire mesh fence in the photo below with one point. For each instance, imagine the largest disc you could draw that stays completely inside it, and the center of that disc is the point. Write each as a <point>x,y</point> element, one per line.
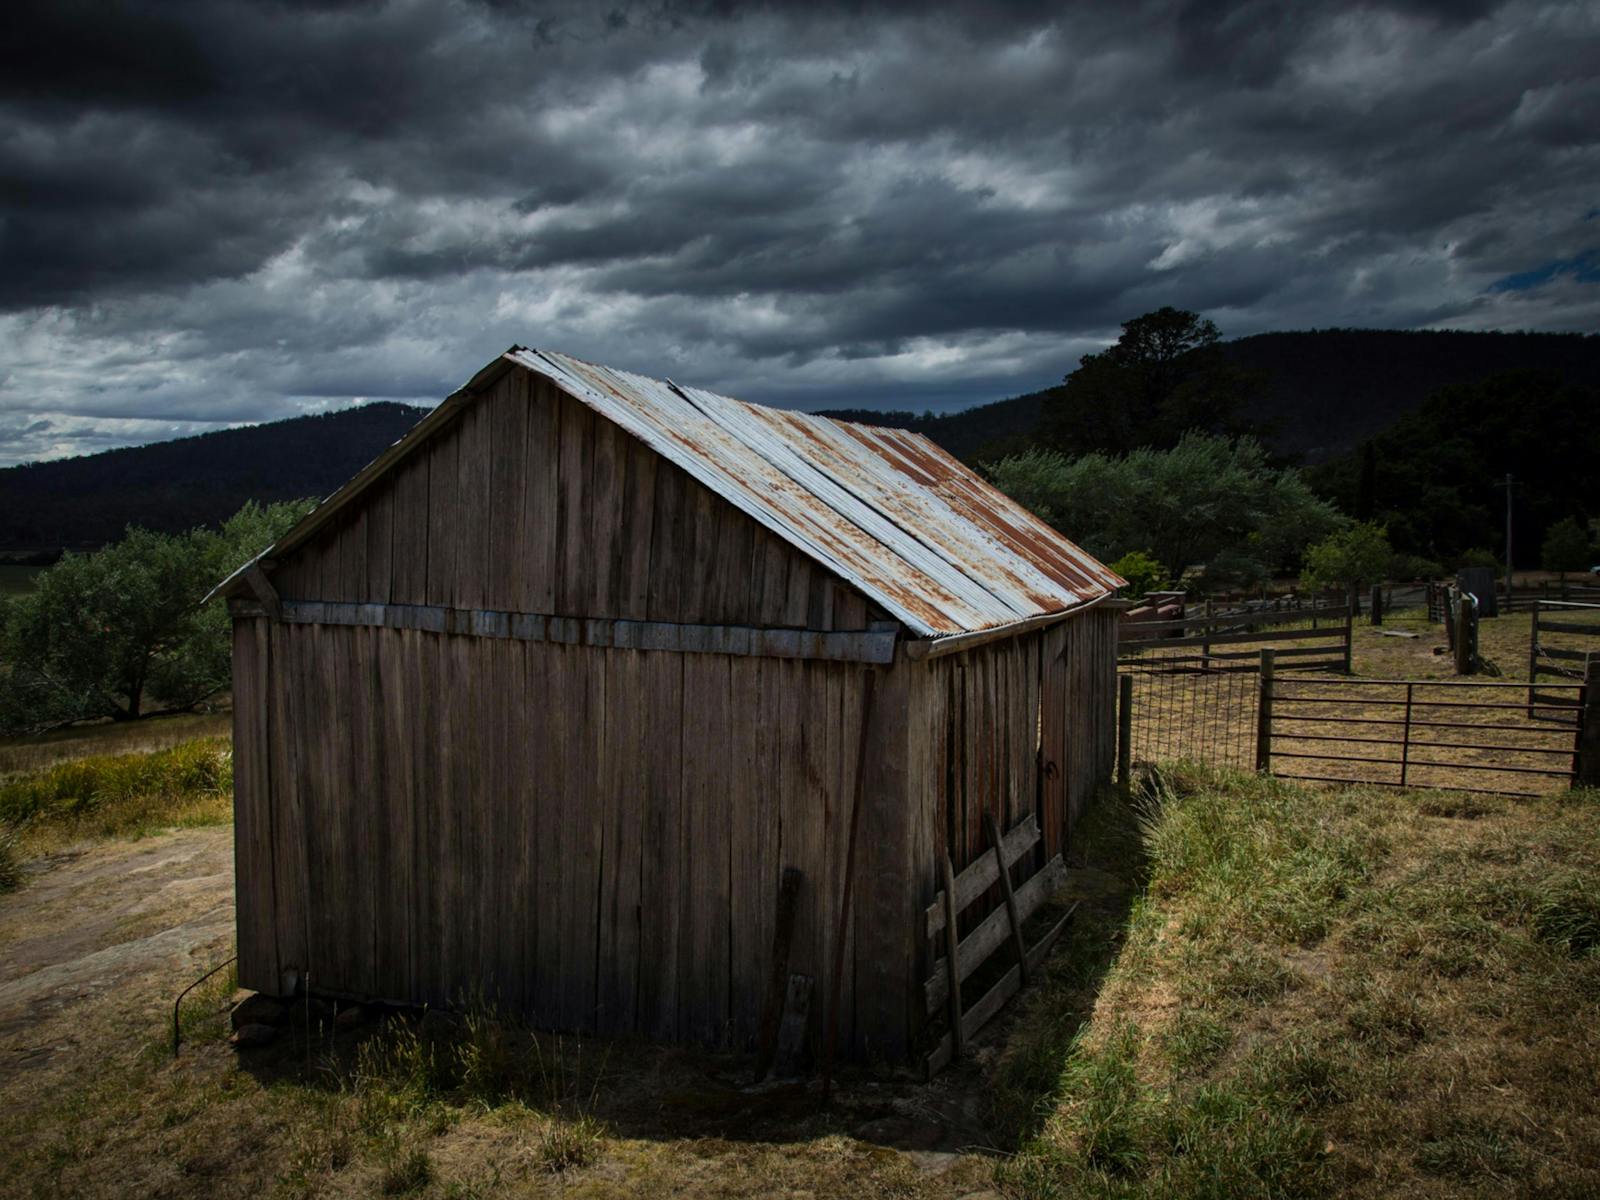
<point>1181,709</point>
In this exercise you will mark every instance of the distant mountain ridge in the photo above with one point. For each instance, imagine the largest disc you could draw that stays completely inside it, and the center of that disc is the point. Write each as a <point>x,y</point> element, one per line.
<point>80,503</point>
<point>1327,390</point>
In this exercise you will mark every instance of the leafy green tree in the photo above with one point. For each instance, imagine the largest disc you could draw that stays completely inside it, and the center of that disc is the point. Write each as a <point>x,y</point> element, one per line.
<point>1208,501</point>
<point>1164,377</point>
<point>1566,547</point>
<point>1143,573</point>
<point>1434,477</point>
<point>1350,558</point>
<point>102,634</point>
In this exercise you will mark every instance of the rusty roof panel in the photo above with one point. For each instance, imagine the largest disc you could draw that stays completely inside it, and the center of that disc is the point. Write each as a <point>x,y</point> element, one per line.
<point>887,511</point>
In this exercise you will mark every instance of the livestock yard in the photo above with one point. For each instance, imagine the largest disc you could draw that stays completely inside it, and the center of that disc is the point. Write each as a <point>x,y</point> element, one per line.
<point>1268,989</point>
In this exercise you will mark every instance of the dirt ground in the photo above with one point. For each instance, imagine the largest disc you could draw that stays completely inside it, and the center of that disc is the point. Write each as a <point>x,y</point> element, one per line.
<point>99,939</point>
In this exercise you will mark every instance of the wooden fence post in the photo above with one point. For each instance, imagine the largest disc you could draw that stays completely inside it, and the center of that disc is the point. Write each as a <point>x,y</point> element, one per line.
<point>1125,735</point>
<point>1264,714</point>
<point>1533,655</point>
<point>1589,731</point>
<point>1349,636</point>
<point>1466,613</point>
<point>1377,604</point>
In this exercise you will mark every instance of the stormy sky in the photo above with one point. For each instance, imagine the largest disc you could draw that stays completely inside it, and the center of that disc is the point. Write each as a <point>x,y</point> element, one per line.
<point>221,212</point>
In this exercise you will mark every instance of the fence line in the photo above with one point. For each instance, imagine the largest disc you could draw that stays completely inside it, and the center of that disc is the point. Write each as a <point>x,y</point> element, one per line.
<point>1401,733</point>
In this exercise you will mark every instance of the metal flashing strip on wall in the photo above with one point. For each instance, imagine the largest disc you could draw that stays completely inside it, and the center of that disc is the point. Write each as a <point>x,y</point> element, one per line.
<point>868,646</point>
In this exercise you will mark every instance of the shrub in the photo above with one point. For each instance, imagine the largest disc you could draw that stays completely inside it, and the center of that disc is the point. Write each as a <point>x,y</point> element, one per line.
<point>1143,573</point>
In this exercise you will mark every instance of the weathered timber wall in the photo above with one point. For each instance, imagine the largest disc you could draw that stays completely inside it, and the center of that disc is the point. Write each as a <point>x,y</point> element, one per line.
<point>528,502</point>
<point>1026,725</point>
<point>591,835</point>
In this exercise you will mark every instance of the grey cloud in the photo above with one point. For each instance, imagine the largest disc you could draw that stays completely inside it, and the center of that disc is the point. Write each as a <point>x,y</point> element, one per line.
<point>227,211</point>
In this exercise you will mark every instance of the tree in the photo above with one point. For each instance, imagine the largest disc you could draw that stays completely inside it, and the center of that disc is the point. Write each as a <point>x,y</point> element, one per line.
<point>1208,501</point>
<point>104,633</point>
<point>1351,558</point>
<point>1143,573</point>
<point>1164,377</point>
<point>1566,547</point>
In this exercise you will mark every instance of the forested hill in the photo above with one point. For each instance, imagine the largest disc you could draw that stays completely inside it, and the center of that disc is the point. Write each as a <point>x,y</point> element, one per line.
<point>1326,390</point>
<point>1330,389</point>
<point>176,485</point>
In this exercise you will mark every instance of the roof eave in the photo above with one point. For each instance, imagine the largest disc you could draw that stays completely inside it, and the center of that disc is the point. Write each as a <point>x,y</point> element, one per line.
<point>936,647</point>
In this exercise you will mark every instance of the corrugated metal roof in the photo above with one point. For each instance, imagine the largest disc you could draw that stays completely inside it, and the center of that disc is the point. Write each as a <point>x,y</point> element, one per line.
<point>886,510</point>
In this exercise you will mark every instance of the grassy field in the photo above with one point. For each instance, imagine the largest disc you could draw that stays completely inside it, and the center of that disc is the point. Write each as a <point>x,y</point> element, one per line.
<point>1359,993</point>
<point>15,579</point>
<point>20,755</point>
<point>1269,991</point>
<point>121,795</point>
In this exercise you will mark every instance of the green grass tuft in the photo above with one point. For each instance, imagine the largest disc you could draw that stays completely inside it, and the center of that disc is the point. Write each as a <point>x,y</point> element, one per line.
<point>122,795</point>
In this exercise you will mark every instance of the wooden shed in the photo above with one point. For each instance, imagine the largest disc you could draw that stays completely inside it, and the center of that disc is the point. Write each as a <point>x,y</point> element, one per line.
<point>543,703</point>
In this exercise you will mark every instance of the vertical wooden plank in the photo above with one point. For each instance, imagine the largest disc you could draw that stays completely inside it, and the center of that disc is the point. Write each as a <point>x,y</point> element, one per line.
<point>518,927</point>
<point>408,559</point>
<point>443,499</point>
<point>380,543</point>
<point>697,578</point>
<point>253,870</point>
<point>503,911</point>
<point>508,468</point>
<point>369,842</point>
<point>661,865</point>
<point>638,529</point>
<point>703,948</point>
<point>819,601</point>
<point>465,755</point>
<point>754,873</point>
<point>885,925</point>
<point>671,544</point>
<point>590,824</point>
<point>415,664</point>
<point>775,556</point>
<point>845,698</point>
<point>624,805</point>
<point>575,595</point>
<point>324,552</point>
<point>473,517</point>
<point>353,557</point>
<point>394,816</point>
<point>285,646</point>
<point>545,682</point>
<point>734,568</point>
<point>849,609</point>
<point>604,501</point>
<point>539,506</point>
<point>797,605</point>
<point>807,783</point>
<point>320,726</point>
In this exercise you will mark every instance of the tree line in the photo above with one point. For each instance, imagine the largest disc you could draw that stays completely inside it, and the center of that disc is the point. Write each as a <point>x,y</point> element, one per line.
<point>1148,456</point>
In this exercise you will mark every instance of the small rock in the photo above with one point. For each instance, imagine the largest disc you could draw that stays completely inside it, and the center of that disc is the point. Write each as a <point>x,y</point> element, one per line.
<point>352,1016</point>
<point>256,1009</point>
<point>253,1035</point>
<point>933,1162</point>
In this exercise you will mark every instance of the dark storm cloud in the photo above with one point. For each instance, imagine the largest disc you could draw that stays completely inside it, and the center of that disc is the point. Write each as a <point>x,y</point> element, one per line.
<point>225,211</point>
